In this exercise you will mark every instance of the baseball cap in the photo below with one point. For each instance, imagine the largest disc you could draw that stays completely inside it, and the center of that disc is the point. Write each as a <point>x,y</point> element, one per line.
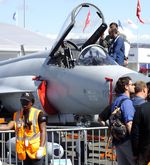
<point>27,96</point>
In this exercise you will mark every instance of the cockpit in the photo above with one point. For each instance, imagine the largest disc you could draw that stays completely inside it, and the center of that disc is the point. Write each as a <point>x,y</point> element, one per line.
<point>95,55</point>
<point>84,25</point>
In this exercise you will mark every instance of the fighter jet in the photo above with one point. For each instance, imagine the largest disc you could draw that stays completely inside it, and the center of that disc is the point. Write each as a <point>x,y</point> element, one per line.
<point>70,78</point>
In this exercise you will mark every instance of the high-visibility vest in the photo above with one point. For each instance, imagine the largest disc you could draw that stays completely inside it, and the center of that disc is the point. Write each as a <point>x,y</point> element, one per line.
<point>27,140</point>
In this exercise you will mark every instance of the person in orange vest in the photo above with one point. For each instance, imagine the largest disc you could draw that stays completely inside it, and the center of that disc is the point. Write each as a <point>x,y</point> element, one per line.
<point>30,129</point>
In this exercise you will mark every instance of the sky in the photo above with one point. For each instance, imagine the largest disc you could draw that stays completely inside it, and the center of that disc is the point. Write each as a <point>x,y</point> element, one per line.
<point>47,16</point>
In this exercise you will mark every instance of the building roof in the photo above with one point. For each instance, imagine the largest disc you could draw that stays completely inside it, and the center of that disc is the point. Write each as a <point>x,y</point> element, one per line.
<point>12,37</point>
<point>140,45</point>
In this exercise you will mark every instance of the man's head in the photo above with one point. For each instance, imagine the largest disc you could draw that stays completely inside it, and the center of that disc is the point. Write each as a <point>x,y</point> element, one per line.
<point>124,85</point>
<point>27,100</point>
<point>141,89</point>
<point>112,26</point>
<point>113,33</point>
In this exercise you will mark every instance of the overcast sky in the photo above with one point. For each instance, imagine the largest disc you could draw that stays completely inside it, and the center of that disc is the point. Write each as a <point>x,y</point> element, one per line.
<point>47,16</point>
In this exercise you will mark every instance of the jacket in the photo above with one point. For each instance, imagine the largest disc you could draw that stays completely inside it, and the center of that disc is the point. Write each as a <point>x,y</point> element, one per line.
<point>27,139</point>
<point>140,132</point>
<point>117,50</point>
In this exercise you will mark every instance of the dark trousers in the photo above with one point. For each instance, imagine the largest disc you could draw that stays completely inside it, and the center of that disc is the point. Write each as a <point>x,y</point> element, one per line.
<point>29,161</point>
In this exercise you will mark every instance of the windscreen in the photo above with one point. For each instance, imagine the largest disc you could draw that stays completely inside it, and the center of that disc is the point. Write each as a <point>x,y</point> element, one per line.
<point>95,55</point>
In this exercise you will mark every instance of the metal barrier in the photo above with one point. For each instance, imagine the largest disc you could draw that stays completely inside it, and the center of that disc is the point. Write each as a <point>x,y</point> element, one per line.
<point>66,146</point>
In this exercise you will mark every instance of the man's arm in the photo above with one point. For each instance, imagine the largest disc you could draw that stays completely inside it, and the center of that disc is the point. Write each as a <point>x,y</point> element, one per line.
<point>42,127</point>
<point>104,115</point>
<point>9,126</point>
<point>42,134</point>
<point>128,111</point>
<point>101,121</point>
<point>129,126</point>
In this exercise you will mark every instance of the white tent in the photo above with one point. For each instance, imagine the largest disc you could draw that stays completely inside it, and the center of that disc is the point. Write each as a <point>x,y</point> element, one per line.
<point>14,39</point>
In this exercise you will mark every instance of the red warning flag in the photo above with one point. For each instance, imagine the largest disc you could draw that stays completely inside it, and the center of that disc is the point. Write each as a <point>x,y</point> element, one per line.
<point>87,21</point>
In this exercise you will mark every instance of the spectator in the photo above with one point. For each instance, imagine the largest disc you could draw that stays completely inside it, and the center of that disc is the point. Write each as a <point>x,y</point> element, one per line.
<point>140,93</point>
<point>117,48</point>
<point>140,134</point>
<point>123,88</point>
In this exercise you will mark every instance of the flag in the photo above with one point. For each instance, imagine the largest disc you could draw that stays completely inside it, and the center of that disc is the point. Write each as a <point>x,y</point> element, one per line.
<point>119,24</point>
<point>138,11</point>
<point>87,21</point>
<point>14,16</point>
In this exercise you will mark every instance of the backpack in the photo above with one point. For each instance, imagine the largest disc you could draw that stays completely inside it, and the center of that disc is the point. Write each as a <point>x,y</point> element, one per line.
<point>118,129</point>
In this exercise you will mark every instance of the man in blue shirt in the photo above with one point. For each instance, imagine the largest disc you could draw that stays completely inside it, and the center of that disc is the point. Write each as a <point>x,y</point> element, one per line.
<point>117,48</point>
<point>123,88</point>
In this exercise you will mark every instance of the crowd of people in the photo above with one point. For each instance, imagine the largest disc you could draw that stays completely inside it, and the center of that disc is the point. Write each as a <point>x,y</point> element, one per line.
<point>134,149</point>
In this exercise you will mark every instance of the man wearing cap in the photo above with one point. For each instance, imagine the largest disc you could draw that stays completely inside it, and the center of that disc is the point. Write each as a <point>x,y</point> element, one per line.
<point>30,128</point>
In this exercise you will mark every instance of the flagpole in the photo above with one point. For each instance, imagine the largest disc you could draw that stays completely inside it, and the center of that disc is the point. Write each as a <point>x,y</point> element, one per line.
<point>138,14</point>
<point>138,67</point>
<point>24,23</point>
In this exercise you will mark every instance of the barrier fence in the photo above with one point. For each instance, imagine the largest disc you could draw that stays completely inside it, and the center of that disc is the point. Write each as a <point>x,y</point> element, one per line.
<point>66,146</point>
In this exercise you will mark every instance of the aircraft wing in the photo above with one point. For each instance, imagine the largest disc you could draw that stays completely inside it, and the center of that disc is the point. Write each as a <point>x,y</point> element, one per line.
<point>5,89</point>
<point>11,89</point>
<point>24,83</point>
